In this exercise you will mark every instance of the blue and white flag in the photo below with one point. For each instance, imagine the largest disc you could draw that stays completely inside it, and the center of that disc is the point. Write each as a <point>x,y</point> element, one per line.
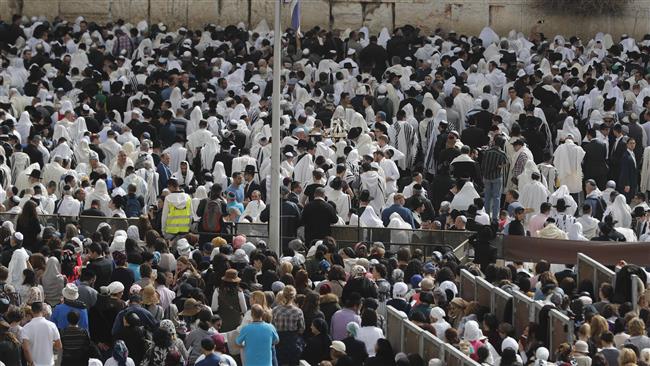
<point>295,16</point>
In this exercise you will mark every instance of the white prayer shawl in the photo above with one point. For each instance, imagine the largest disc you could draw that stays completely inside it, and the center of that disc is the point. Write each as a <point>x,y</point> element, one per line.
<point>488,36</point>
<point>568,161</point>
<point>525,178</point>
<point>568,128</point>
<point>401,230</point>
<point>575,232</point>
<point>645,171</point>
<point>200,194</point>
<point>141,186</point>
<point>53,172</point>
<point>462,104</point>
<point>198,139</point>
<point>78,129</point>
<point>406,141</point>
<point>175,98</point>
<point>22,180</point>
<point>183,179</point>
<point>16,267</point>
<point>620,212</point>
<point>254,209</point>
<point>376,185</point>
<point>465,197</point>
<point>62,150</point>
<point>82,152</point>
<point>110,148</point>
<point>563,192</point>
<point>177,153</point>
<point>23,126</point>
<point>589,226</point>
<point>19,163</point>
<point>219,175</point>
<point>358,121</point>
<point>342,202</point>
<point>304,168</point>
<point>384,37</point>
<point>368,218</point>
<point>240,163</point>
<point>390,171</point>
<point>150,177</point>
<point>6,178</point>
<point>100,193</point>
<point>209,151</point>
<point>365,145</point>
<point>61,130</point>
<point>533,195</point>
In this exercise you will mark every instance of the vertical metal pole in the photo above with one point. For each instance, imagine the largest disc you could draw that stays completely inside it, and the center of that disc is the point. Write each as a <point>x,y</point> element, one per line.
<point>274,227</point>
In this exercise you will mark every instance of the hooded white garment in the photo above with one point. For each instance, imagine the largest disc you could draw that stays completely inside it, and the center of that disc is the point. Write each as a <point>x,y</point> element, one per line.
<point>53,172</point>
<point>23,126</point>
<point>22,181</point>
<point>575,232</point>
<point>209,152</point>
<point>533,195</point>
<point>177,153</point>
<point>175,98</point>
<point>620,211</point>
<point>219,175</point>
<point>19,163</point>
<point>100,193</point>
<point>150,178</point>
<point>563,192</point>
<point>254,209</point>
<point>341,200</point>
<point>568,128</point>
<point>185,179</point>
<point>17,265</point>
<point>488,36</point>
<point>370,219</point>
<point>525,177</point>
<point>376,185</point>
<point>568,162</point>
<point>463,103</point>
<point>200,194</point>
<point>464,197</point>
<point>401,232</point>
<point>384,37</point>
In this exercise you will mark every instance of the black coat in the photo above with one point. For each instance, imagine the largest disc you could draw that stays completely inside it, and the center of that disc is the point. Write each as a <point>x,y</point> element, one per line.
<point>594,164</point>
<point>628,174</point>
<point>360,285</point>
<point>289,222</point>
<point>317,217</point>
<point>474,137</point>
<point>249,188</point>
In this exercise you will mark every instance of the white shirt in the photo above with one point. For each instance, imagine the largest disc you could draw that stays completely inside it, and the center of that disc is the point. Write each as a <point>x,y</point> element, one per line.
<point>41,334</point>
<point>369,336</point>
<point>111,362</point>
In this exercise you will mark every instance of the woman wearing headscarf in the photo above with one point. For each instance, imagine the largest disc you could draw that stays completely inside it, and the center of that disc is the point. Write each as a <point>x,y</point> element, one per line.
<point>318,346</point>
<point>53,281</point>
<point>384,354</point>
<point>620,212</point>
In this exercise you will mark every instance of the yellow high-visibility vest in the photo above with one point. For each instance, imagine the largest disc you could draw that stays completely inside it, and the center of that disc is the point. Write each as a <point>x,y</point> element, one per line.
<point>179,219</point>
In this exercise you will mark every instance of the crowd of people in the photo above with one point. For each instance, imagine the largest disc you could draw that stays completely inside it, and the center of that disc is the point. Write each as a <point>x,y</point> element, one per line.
<point>522,135</point>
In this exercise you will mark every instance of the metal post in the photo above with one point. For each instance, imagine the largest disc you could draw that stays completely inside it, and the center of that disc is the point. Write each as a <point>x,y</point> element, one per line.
<point>274,225</point>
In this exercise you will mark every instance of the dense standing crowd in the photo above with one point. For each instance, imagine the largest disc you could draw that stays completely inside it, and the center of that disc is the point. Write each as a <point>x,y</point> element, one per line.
<point>522,135</point>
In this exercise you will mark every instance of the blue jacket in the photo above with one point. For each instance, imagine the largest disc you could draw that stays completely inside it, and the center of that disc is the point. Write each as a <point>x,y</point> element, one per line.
<point>406,214</point>
<point>146,318</point>
<point>60,315</point>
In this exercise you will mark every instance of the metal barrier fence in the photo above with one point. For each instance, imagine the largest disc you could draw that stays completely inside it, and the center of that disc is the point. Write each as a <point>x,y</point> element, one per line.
<point>86,224</point>
<point>560,329</point>
<point>593,271</point>
<point>407,337</point>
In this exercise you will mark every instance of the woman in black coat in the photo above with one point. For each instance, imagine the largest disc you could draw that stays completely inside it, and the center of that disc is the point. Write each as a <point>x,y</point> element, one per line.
<point>318,346</point>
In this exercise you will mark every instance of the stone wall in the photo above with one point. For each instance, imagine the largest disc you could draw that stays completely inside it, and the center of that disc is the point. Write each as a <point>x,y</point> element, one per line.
<point>467,16</point>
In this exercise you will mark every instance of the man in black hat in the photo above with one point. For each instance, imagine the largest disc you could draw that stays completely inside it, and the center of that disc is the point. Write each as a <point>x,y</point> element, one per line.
<point>563,219</point>
<point>250,185</point>
<point>32,150</point>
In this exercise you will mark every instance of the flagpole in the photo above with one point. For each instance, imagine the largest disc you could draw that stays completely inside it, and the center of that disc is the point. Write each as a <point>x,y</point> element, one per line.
<point>274,225</point>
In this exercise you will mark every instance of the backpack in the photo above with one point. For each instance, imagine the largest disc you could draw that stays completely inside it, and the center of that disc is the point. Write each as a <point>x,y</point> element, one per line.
<point>212,217</point>
<point>133,207</point>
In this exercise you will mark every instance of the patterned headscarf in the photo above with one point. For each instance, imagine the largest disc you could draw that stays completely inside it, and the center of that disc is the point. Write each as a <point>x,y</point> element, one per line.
<point>120,353</point>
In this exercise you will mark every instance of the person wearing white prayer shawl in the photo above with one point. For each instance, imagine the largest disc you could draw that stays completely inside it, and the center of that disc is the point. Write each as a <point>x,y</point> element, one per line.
<point>588,222</point>
<point>150,178</point>
<point>339,198</point>
<point>100,192</point>
<point>551,231</point>
<point>372,181</point>
<point>620,212</point>
<point>463,103</point>
<point>118,167</point>
<point>95,165</point>
<point>568,161</point>
<point>177,153</point>
<point>286,167</point>
<point>53,172</point>
<point>219,175</point>
<point>240,162</point>
<point>575,232</point>
<point>518,158</point>
<point>68,206</point>
<point>130,178</point>
<point>405,138</point>
<point>254,207</point>
<point>417,180</point>
<point>19,162</point>
<point>23,126</point>
<point>5,174</point>
<point>568,129</point>
<point>18,262</point>
<point>199,138</point>
<point>563,193</point>
<point>610,187</point>
<point>185,177</point>
<point>304,164</point>
<point>400,233</point>
<point>391,173</point>
<point>464,197</point>
<point>208,152</point>
<point>110,147</point>
<point>533,194</point>
<point>82,152</point>
<point>200,194</point>
<point>370,219</point>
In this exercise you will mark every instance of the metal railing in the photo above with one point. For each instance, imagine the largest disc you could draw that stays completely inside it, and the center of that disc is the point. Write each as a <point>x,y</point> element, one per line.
<point>593,271</point>
<point>86,224</point>
<point>407,337</point>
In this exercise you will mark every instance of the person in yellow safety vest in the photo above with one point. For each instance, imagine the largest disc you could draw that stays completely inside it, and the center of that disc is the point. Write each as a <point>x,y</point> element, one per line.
<point>177,211</point>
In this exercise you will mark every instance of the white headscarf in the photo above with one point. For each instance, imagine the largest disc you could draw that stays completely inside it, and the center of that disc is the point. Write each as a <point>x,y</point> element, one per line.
<point>187,178</point>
